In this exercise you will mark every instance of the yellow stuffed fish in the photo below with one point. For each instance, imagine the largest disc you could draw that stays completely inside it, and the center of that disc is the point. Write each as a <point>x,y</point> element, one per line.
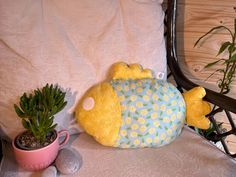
<point>136,110</point>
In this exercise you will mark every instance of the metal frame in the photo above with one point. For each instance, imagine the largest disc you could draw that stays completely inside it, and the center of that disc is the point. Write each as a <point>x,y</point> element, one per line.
<point>222,102</point>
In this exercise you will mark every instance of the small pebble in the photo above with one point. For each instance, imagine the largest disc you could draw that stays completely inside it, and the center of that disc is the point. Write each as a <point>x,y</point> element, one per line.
<point>51,171</point>
<point>68,161</point>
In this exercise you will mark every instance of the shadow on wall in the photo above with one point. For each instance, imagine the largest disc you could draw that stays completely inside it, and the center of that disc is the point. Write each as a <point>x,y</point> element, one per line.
<point>66,118</point>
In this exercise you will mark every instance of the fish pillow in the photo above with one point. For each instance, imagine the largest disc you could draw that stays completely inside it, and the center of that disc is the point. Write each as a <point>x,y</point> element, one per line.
<point>135,110</point>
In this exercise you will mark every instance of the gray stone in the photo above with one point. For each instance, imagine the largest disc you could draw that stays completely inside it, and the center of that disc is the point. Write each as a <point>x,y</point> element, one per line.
<point>68,161</point>
<point>51,171</point>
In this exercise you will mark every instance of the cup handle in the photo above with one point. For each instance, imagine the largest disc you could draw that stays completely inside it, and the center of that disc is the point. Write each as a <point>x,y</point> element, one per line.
<point>66,138</point>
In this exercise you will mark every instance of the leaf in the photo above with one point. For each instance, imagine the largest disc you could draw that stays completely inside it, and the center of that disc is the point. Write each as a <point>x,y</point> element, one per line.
<point>232,59</point>
<point>23,105</point>
<point>51,89</point>
<point>49,122</point>
<point>25,124</point>
<point>24,98</point>
<point>18,111</point>
<point>235,25</point>
<point>231,48</point>
<point>33,129</point>
<point>51,128</point>
<point>51,99</point>
<point>60,101</point>
<point>213,63</point>
<point>34,121</point>
<point>210,31</point>
<point>223,47</point>
<point>31,102</point>
<point>41,119</point>
<point>44,101</point>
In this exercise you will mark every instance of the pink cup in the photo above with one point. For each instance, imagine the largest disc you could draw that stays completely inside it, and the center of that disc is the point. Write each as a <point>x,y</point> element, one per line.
<point>40,158</point>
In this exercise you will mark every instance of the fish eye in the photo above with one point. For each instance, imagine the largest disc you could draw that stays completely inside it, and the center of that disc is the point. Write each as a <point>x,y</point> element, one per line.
<point>88,103</point>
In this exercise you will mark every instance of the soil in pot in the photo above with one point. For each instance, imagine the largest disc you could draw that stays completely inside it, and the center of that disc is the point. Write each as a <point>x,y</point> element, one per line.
<point>27,141</point>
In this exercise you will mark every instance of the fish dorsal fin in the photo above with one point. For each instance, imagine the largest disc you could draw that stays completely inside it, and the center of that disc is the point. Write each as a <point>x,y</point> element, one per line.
<point>122,70</point>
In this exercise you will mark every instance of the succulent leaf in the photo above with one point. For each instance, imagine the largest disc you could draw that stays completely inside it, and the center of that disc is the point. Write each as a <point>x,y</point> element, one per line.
<point>25,124</point>
<point>18,111</point>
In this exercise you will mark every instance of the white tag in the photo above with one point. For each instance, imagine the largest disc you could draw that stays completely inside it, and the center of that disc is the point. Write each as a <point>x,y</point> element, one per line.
<point>160,75</point>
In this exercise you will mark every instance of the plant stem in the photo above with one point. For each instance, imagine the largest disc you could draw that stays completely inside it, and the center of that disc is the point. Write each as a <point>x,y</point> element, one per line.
<point>223,83</point>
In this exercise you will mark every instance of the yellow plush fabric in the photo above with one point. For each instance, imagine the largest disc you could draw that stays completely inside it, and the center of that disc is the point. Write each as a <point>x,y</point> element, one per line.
<point>134,71</point>
<point>196,108</point>
<point>103,120</point>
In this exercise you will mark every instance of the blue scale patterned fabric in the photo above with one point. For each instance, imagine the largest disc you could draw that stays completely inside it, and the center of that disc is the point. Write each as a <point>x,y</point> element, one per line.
<point>153,112</point>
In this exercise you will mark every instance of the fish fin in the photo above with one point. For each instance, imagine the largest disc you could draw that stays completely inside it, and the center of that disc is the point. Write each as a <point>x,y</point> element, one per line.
<point>196,108</point>
<point>122,70</point>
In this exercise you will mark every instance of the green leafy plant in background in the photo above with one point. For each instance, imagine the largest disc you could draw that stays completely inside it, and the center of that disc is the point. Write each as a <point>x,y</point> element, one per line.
<point>37,110</point>
<point>229,64</point>
<point>228,69</point>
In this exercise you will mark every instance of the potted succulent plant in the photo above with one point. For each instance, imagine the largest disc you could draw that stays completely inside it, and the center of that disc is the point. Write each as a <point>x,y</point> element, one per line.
<point>37,147</point>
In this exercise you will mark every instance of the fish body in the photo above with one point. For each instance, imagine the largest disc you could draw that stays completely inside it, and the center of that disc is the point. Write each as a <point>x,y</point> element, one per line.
<point>152,111</point>
<point>134,113</point>
<point>136,110</point>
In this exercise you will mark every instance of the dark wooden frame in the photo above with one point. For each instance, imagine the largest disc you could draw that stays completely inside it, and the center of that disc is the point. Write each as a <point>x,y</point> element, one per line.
<point>1,153</point>
<point>222,102</point>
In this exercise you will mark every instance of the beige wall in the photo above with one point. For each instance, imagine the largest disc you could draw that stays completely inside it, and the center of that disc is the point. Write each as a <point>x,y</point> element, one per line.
<point>196,17</point>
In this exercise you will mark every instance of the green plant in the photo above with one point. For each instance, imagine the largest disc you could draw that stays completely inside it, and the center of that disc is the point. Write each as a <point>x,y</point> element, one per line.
<point>37,110</point>
<point>211,132</point>
<point>229,63</point>
<point>228,70</point>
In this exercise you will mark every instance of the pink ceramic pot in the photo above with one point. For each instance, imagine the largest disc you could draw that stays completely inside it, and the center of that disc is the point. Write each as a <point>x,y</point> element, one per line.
<point>40,158</point>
